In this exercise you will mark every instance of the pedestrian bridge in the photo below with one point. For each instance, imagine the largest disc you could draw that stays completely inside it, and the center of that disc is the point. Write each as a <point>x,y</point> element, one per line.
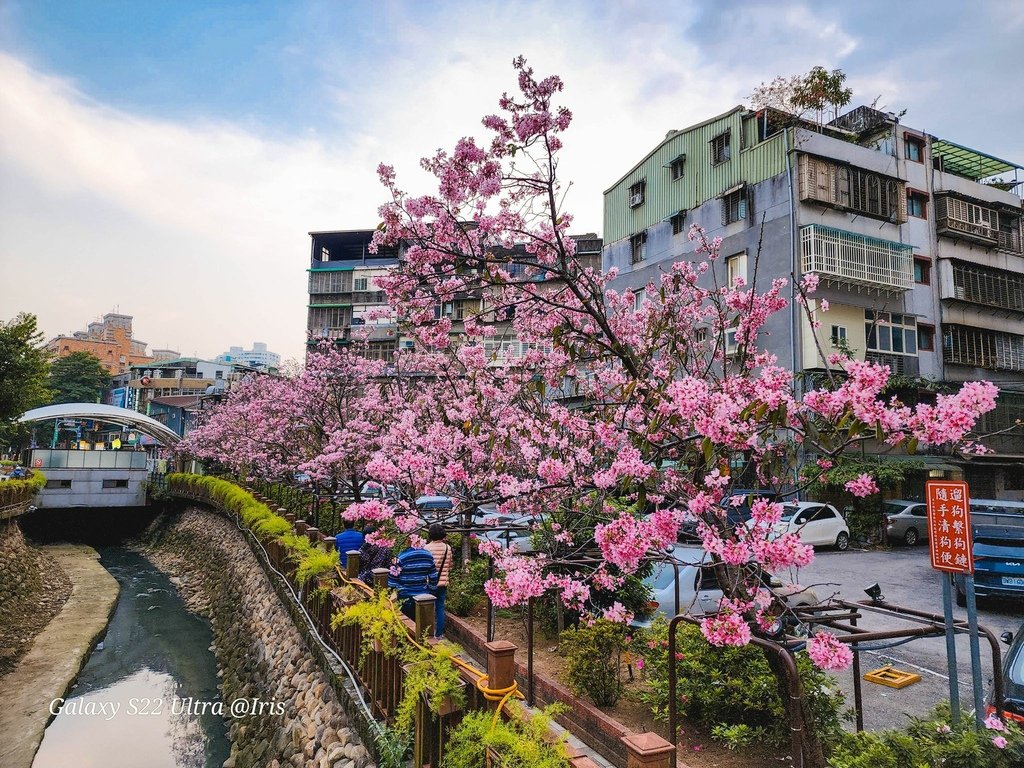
<point>95,478</point>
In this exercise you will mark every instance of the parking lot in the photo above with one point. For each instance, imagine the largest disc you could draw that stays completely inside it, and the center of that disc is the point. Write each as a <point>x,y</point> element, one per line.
<point>906,579</point>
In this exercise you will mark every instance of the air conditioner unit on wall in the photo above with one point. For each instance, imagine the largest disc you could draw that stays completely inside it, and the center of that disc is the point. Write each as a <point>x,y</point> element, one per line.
<point>636,199</point>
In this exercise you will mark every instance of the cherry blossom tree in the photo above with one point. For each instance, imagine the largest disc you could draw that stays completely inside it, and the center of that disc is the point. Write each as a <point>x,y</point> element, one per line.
<point>665,395</point>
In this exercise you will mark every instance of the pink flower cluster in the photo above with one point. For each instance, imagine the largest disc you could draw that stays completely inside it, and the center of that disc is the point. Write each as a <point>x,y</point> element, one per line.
<point>828,653</point>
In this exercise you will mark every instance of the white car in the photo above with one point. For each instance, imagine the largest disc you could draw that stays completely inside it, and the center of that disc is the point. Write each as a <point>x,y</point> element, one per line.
<point>817,524</point>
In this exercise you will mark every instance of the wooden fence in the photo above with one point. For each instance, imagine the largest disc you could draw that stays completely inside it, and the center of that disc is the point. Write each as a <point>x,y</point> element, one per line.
<point>381,676</point>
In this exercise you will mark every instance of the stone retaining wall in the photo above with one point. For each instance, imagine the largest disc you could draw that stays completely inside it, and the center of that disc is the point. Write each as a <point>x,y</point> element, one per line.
<point>32,591</point>
<point>260,651</point>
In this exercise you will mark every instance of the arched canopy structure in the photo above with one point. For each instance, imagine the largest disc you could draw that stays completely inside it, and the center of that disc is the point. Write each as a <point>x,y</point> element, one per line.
<point>110,414</point>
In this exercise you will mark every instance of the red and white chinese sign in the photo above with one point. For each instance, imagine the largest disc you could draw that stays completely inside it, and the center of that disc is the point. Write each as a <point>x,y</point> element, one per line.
<point>949,525</point>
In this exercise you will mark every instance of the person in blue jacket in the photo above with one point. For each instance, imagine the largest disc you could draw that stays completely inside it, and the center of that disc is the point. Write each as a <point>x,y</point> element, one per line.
<point>414,573</point>
<point>348,540</point>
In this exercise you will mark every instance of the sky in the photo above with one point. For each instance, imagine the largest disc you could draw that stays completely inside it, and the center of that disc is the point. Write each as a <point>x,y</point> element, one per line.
<point>168,159</point>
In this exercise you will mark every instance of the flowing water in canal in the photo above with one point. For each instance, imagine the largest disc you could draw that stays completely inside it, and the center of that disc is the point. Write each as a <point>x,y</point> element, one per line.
<point>139,700</point>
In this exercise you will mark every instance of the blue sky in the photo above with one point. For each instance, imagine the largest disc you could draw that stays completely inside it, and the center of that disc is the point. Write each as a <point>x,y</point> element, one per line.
<point>168,158</point>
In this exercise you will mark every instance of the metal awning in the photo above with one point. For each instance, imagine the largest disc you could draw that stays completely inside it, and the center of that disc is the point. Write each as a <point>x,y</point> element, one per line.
<point>676,159</point>
<point>109,414</point>
<point>970,162</point>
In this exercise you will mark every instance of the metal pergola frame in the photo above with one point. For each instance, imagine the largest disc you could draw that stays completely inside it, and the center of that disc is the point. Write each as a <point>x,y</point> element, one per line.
<point>842,616</point>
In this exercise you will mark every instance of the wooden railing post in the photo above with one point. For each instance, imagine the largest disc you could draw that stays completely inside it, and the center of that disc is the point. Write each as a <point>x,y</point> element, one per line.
<point>425,618</point>
<point>501,667</point>
<point>313,534</point>
<point>647,750</point>
<point>352,563</point>
<point>290,518</point>
<point>380,578</point>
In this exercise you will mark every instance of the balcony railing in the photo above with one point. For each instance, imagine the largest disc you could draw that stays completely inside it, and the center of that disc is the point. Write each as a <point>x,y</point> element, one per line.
<point>958,218</point>
<point>991,287</point>
<point>856,259</point>
<point>900,365</point>
<point>1010,235</point>
<point>982,348</point>
<point>853,189</point>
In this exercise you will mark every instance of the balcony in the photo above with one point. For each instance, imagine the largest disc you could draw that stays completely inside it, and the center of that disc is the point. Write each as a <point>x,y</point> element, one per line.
<point>989,287</point>
<point>853,189</point>
<point>853,259</point>
<point>962,219</point>
<point>982,348</point>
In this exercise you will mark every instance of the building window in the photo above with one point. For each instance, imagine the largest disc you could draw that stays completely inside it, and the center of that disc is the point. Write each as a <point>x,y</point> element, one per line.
<point>676,167</point>
<point>58,484</point>
<point>736,269</point>
<point>917,204</point>
<point>926,337</point>
<point>731,344</point>
<point>734,207</point>
<point>890,332</point>
<point>913,148</point>
<point>720,148</point>
<point>115,484</point>
<point>325,255</point>
<point>638,299</point>
<point>838,335</point>
<point>922,270</point>
<point>218,374</point>
<point>679,223</point>
<point>638,247</point>
<point>636,194</point>
<point>359,284</point>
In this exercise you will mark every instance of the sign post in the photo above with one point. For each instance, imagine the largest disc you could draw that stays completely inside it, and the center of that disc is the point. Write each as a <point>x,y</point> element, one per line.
<point>951,549</point>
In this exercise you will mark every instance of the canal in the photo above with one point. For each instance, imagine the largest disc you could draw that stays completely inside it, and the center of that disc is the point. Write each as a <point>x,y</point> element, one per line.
<point>148,693</point>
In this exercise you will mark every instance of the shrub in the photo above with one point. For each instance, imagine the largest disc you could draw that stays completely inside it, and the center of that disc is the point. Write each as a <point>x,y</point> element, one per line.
<point>314,563</point>
<point>379,621</point>
<point>433,676</point>
<point>16,491</point>
<point>931,740</point>
<point>594,656</point>
<point>520,743</point>
<point>732,685</point>
<point>466,587</point>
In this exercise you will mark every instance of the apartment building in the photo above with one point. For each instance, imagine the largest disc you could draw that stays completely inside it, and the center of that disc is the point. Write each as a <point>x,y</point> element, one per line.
<point>343,294</point>
<point>344,299</point>
<point>110,340</point>
<point>916,241</point>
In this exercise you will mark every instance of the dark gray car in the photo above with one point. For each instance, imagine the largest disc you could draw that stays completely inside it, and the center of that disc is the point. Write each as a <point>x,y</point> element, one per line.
<point>906,521</point>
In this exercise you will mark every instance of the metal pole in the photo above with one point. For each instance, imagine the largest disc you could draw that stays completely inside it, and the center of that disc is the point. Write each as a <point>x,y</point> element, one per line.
<point>490,605</point>
<point>972,623</point>
<point>858,701</point>
<point>529,652</point>
<point>954,683</point>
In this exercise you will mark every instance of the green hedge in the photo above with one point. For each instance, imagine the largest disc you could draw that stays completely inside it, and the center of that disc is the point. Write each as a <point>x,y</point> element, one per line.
<point>15,491</point>
<point>260,519</point>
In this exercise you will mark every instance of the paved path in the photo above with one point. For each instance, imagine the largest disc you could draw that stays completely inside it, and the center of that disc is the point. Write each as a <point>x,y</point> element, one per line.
<point>48,670</point>
<point>906,578</point>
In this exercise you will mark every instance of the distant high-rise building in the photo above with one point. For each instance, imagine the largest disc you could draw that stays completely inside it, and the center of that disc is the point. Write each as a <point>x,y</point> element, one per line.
<point>257,357</point>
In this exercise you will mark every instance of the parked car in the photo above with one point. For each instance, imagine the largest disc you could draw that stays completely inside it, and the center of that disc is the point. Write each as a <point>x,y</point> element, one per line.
<point>998,564</point>
<point>509,531</point>
<point>736,514</point>
<point>906,521</point>
<point>436,509</point>
<point>1013,677</point>
<point>815,523</point>
<point>699,591</point>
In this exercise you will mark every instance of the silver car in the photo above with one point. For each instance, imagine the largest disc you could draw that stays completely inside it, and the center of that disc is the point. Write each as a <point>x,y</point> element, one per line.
<point>696,591</point>
<point>905,521</point>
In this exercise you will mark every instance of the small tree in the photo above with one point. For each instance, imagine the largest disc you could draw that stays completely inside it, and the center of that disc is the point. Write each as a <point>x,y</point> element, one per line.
<point>78,378</point>
<point>24,366</point>
<point>819,93</point>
